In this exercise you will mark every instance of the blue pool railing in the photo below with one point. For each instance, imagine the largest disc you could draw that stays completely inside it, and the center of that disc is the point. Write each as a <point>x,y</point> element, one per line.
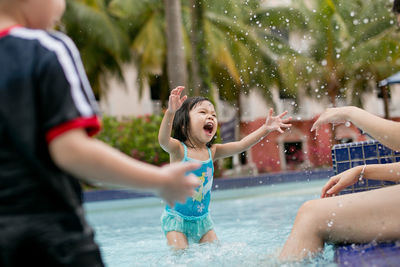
<point>344,157</point>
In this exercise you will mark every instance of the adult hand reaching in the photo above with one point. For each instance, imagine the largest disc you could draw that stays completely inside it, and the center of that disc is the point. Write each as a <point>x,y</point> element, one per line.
<point>332,115</point>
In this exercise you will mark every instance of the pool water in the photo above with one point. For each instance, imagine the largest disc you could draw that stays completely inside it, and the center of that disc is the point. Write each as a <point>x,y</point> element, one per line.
<point>252,224</point>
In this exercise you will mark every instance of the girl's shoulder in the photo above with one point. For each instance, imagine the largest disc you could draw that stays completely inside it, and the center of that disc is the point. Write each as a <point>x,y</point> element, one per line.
<point>178,154</point>
<point>213,149</point>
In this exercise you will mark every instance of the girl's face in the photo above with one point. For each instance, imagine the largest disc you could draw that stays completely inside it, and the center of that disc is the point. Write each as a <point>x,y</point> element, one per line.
<point>43,14</point>
<point>203,122</point>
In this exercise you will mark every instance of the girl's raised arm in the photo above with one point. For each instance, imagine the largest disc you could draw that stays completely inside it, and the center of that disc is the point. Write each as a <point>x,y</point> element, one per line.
<point>169,144</point>
<point>272,123</point>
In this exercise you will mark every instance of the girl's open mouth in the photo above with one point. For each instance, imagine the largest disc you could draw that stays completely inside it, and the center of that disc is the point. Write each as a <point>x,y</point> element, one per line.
<point>209,127</point>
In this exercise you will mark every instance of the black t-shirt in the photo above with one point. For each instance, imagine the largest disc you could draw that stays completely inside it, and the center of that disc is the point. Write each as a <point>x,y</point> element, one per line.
<point>44,92</point>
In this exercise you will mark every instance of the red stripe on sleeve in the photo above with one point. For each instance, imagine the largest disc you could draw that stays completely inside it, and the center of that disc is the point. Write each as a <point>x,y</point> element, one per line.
<point>4,32</point>
<point>91,125</point>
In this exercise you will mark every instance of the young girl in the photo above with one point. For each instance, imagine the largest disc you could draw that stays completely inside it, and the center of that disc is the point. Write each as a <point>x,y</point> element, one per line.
<point>194,123</point>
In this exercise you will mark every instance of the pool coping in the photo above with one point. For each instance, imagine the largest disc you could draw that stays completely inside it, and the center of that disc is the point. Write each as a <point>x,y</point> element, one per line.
<point>218,184</point>
<point>370,254</point>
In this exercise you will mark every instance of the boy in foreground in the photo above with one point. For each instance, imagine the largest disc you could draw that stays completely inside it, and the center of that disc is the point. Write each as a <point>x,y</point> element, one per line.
<point>47,113</point>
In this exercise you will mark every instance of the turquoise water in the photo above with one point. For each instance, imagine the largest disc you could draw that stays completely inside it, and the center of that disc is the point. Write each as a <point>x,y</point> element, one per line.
<point>251,224</point>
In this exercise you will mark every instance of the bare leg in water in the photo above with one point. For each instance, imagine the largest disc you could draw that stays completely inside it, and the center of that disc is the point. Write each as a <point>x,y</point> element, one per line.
<point>353,218</point>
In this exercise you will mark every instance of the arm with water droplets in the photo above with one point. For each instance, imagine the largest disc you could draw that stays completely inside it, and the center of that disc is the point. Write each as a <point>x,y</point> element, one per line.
<point>386,172</point>
<point>385,131</point>
<point>168,143</point>
<point>272,123</point>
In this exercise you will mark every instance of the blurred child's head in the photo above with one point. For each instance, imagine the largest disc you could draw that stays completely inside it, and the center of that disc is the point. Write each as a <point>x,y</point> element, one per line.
<point>396,10</point>
<point>396,7</point>
<point>35,14</point>
<point>195,122</point>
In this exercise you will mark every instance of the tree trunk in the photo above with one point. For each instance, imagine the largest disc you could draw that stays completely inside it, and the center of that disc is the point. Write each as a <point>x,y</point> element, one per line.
<point>175,48</point>
<point>200,66</point>
<point>195,69</point>
<point>385,97</point>
<point>333,92</point>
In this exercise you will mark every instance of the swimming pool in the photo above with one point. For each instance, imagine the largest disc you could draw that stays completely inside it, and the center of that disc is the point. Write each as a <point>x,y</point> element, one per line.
<point>251,223</point>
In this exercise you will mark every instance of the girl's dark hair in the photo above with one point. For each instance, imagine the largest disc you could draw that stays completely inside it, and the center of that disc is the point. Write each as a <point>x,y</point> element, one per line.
<point>396,7</point>
<point>181,123</point>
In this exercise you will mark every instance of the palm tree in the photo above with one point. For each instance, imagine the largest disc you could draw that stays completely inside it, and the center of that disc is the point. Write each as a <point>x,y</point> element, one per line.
<point>200,69</point>
<point>242,56</point>
<point>232,49</point>
<point>175,54</point>
<point>102,41</point>
<point>349,45</point>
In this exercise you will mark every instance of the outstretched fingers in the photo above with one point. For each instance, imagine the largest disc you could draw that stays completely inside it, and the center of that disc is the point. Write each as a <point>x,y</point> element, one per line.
<point>191,181</point>
<point>178,90</point>
<point>330,187</point>
<point>175,99</point>
<point>179,184</point>
<point>284,122</point>
<point>315,125</point>
<point>184,98</point>
<point>283,114</point>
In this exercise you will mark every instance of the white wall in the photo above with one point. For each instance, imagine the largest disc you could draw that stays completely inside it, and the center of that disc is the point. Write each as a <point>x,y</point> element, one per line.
<point>123,99</point>
<point>375,105</point>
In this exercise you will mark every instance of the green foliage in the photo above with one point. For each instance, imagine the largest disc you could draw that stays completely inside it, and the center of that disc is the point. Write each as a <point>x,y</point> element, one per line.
<point>349,44</point>
<point>136,137</point>
<point>102,41</point>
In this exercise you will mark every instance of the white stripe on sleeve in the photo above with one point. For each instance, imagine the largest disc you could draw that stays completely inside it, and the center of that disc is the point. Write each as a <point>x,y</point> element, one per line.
<point>65,61</point>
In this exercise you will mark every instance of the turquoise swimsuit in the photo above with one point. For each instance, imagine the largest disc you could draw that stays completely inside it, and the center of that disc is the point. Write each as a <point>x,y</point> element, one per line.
<point>192,218</point>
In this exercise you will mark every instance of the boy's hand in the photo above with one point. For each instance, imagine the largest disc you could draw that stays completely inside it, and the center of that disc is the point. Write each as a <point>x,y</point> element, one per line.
<point>178,185</point>
<point>276,123</point>
<point>175,99</point>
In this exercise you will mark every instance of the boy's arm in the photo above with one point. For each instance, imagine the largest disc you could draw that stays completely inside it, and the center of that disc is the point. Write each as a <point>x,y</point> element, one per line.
<point>385,131</point>
<point>272,123</point>
<point>91,159</point>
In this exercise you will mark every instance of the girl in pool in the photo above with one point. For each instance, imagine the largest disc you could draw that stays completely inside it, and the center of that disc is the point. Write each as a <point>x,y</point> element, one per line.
<point>194,124</point>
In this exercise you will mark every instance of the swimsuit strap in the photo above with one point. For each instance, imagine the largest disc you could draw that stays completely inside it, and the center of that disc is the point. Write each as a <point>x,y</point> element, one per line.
<point>185,155</point>
<point>185,150</point>
<point>209,153</point>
